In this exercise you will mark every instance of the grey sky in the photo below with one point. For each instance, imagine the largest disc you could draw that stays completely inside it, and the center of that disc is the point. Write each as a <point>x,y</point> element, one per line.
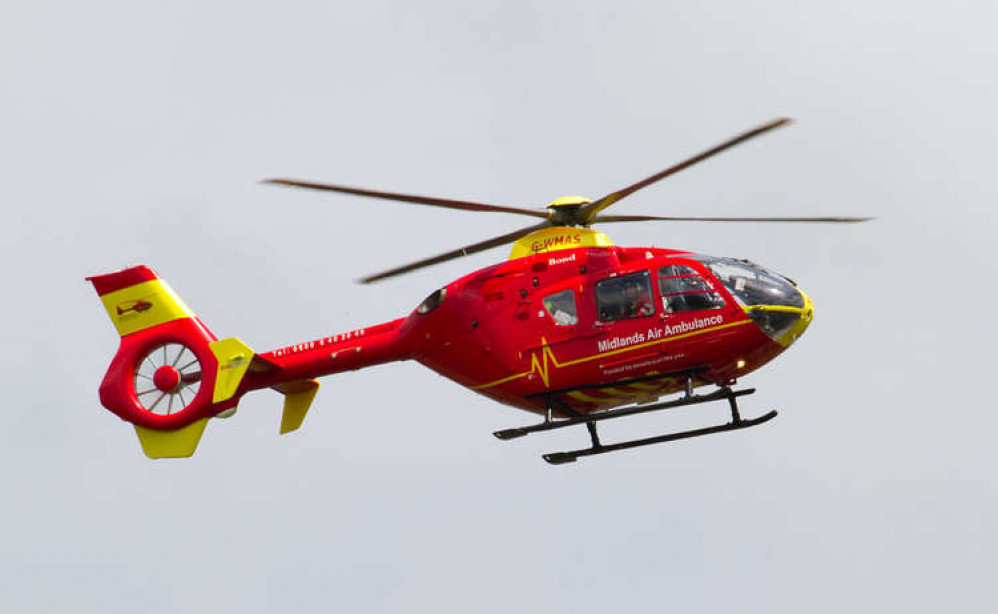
<point>134,132</point>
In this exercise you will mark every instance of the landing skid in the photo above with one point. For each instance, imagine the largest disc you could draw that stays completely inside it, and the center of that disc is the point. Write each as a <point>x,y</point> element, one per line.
<point>559,458</point>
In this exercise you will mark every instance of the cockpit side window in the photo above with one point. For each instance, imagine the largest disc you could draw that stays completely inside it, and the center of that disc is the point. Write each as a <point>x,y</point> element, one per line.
<point>684,289</point>
<point>626,296</point>
<point>561,307</point>
<point>432,301</point>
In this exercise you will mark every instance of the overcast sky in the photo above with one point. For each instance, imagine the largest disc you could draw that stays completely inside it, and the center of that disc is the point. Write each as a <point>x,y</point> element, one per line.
<point>137,132</point>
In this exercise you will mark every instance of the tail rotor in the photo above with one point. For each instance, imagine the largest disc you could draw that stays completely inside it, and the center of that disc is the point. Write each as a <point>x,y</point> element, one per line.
<point>167,379</point>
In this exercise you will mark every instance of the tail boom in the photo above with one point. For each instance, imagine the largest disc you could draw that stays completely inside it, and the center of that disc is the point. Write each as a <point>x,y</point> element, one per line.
<point>349,351</point>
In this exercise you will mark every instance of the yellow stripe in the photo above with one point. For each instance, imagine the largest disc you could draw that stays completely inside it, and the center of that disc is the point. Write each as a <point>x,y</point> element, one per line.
<point>780,308</point>
<point>144,305</point>
<point>540,366</point>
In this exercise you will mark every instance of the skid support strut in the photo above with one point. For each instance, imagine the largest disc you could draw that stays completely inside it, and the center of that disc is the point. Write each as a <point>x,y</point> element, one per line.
<point>597,447</point>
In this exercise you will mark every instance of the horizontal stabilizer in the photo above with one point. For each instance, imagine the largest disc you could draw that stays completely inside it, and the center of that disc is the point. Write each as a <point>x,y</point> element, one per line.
<point>298,397</point>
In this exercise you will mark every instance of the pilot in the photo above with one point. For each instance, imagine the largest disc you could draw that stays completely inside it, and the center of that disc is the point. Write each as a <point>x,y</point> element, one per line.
<point>637,299</point>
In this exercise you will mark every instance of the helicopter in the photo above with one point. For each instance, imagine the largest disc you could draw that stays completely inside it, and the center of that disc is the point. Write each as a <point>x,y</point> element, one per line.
<point>570,327</point>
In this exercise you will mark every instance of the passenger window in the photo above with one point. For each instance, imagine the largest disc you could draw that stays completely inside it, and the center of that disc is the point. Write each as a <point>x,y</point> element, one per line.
<point>627,296</point>
<point>561,307</point>
<point>683,289</point>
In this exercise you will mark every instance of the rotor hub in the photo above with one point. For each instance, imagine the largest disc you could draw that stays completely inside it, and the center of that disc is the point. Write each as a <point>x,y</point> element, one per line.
<point>167,379</point>
<point>569,201</point>
<point>565,210</point>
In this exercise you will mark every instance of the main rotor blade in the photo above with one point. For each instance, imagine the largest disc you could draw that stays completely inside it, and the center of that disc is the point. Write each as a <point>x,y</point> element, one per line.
<point>588,212</point>
<point>655,218</point>
<point>457,253</point>
<point>408,198</point>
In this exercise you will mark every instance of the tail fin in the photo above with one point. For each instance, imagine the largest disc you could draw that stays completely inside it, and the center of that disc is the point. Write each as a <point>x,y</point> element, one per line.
<point>170,374</point>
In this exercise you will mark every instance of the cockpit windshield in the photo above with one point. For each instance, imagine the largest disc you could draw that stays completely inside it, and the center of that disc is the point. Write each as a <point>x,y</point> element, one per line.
<point>750,284</point>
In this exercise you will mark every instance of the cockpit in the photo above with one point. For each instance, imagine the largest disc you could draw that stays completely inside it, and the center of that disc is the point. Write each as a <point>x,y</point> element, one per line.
<point>773,302</point>
<point>750,284</point>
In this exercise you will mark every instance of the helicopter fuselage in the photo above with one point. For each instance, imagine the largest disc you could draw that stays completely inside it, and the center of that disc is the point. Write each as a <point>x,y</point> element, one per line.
<point>592,327</point>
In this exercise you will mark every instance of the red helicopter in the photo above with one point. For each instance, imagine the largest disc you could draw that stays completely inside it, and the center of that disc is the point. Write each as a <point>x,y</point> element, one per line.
<point>571,327</point>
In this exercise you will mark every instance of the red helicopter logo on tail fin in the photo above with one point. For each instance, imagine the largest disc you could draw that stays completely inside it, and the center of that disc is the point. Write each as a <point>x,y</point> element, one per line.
<point>136,306</point>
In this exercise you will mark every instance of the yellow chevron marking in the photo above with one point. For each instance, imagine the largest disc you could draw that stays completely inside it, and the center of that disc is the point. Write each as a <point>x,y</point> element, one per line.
<point>646,386</point>
<point>616,392</point>
<point>581,396</point>
<point>540,365</point>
